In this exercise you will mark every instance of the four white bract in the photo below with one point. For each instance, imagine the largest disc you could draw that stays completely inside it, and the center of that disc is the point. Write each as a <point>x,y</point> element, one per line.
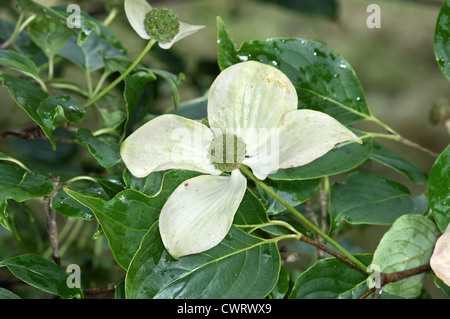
<point>253,121</point>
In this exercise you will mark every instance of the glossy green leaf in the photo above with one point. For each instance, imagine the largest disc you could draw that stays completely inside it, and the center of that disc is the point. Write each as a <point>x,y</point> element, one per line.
<point>439,189</point>
<point>60,15</point>
<point>250,211</point>
<point>241,266</point>
<point>45,110</point>
<point>323,79</point>
<point>42,274</point>
<point>339,160</point>
<point>19,63</point>
<point>28,97</point>
<point>282,285</point>
<point>126,218</point>
<point>34,7</point>
<point>408,244</point>
<point>69,207</point>
<point>370,199</point>
<point>6,294</point>
<point>138,96</point>
<point>443,286</point>
<point>20,185</point>
<point>22,44</point>
<point>442,39</point>
<point>149,185</point>
<point>70,108</point>
<point>106,152</point>
<point>49,34</point>
<point>87,56</point>
<point>294,192</point>
<point>328,278</point>
<point>393,160</point>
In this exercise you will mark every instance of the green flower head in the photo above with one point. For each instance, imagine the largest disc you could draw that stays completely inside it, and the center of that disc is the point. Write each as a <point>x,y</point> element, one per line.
<point>160,24</point>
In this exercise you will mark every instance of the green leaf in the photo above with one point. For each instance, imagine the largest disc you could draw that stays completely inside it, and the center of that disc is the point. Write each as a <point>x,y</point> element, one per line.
<point>22,44</point>
<point>364,198</point>
<point>250,211</point>
<point>70,108</point>
<point>408,244</point>
<point>294,192</point>
<point>6,294</point>
<point>439,189</point>
<point>49,34</point>
<point>59,14</point>
<point>282,285</point>
<point>34,7</point>
<point>126,218</point>
<point>339,160</point>
<point>241,266</point>
<point>20,63</point>
<point>87,56</point>
<point>442,39</point>
<point>20,185</point>
<point>28,97</point>
<point>174,81</point>
<point>107,153</point>
<point>138,96</point>
<point>45,110</point>
<point>149,185</point>
<point>393,160</point>
<point>323,79</point>
<point>328,278</point>
<point>42,274</point>
<point>443,286</point>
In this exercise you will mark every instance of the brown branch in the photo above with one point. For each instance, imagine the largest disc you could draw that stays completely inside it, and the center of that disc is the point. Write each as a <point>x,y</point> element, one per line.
<point>50,215</point>
<point>35,131</point>
<point>321,246</point>
<point>101,290</point>
<point>387,278</point>
<point>399,275</point>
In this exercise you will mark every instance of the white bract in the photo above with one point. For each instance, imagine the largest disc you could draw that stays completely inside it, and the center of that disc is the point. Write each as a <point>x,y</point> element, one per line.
<point>254,121</point>
<point>440,260</point>
<point>137,11</point>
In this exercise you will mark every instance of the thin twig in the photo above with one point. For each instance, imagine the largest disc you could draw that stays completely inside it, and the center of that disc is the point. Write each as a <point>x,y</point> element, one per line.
<point>52,228</point>
<point>333,253</point>
<point>110,288</point>
<point>313,219</point>
<point>387,278</point>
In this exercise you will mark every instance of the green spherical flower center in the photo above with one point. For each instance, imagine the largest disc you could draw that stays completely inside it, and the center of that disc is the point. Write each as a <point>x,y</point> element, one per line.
<point>162,24</point>
<point>227,152</point>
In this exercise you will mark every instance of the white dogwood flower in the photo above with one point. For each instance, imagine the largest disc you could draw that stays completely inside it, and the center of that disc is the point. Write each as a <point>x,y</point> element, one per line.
<point>160,24</point>
<point>253,121</point>
<point>440,260</point>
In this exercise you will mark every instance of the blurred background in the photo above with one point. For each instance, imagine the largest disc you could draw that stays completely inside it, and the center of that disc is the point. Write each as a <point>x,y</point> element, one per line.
<point>395,65</point>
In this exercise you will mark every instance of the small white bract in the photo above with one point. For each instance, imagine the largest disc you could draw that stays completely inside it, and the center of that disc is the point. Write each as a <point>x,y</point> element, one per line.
<point>158,23</point>
<point>440,260</point>
<point>252,105</point>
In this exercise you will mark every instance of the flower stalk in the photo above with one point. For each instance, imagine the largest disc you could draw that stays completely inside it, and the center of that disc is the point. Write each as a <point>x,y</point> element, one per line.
<point>122,76</point>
